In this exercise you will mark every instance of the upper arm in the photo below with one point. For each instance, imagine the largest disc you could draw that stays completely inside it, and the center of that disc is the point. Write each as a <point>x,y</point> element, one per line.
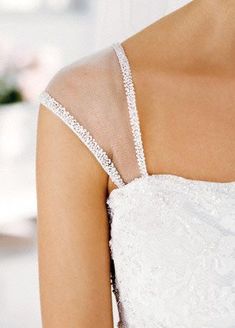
<point>73,232</point>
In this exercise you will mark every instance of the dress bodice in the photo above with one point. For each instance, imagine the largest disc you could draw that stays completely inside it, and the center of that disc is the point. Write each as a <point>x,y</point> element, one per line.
<point>173,245</point>
<point>172,239</point>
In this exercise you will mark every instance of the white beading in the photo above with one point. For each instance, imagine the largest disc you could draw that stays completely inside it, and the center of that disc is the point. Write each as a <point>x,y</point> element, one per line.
<point>131,102</point>
<point>173,246</point>
<point>102,157</point>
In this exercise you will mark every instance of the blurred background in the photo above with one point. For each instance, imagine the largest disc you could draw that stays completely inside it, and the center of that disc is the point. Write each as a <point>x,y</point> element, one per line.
<point>38,37</point>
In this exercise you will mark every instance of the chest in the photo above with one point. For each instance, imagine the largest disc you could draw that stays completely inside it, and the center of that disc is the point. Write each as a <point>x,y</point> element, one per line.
<point>188,125</point>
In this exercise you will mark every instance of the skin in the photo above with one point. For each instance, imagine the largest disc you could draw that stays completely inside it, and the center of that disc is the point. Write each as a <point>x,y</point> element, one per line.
<point>186,105</point>
<point>185,94</point>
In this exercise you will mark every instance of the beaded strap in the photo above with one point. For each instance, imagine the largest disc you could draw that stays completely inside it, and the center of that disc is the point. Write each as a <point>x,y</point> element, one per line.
<point>131,102</point>
<point>49,102</point>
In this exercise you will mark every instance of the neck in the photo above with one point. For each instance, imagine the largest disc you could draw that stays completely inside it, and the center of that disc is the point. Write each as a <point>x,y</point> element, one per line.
<point>213,21</point>
<point>201,32</point>
<point>220,13</point>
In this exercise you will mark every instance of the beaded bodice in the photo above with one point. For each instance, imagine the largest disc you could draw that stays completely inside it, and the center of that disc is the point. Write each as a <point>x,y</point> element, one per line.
<point>173,244</point>
<point>172,239</point>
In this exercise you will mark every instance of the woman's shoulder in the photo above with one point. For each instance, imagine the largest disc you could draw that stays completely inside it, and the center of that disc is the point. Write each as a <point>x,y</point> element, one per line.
<point>84,96</point>
<point>82,78</point>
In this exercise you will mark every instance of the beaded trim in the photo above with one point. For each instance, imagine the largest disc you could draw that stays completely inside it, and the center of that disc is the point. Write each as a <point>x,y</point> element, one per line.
<point>131,101</point>
<point>102,157</point>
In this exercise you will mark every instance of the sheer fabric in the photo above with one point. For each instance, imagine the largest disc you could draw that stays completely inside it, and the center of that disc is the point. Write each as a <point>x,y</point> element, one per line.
<point>172,239</point>
<point>93,92</point>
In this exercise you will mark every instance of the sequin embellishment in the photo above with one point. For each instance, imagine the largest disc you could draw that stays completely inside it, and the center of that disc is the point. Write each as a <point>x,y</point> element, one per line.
<point>131,101</point>
<point>102,157</point>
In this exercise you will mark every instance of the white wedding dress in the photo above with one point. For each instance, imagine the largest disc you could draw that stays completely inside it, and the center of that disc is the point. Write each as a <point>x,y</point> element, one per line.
<point>172,239</point>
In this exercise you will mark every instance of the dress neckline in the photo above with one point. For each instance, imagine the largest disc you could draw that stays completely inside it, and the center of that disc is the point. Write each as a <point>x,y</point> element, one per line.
<point>208,184</point>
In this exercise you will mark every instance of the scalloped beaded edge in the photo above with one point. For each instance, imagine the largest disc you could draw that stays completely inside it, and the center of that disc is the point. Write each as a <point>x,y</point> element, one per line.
<point>49,102</point>
<point>131,101</point>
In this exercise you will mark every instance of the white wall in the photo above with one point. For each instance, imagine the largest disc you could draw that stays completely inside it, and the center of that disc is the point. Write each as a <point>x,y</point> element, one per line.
<point>70,32</point>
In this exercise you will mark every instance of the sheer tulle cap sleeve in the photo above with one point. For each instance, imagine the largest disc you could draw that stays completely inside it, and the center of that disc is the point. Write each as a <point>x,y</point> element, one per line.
<point>90,98</point>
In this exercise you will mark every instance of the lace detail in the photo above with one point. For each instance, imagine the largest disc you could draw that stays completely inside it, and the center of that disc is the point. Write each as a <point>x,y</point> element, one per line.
<point>49,102</point>
<point>131,101</point>
<point>173,245</point>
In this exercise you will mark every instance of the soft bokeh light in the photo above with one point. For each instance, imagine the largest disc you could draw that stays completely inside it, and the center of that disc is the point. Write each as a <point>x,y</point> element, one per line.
<point>58,5</point>
<point>22,5</point>
<point>35,43</point>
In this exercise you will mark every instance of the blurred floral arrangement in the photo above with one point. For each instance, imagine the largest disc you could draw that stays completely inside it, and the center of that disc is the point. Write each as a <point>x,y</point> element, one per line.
<point>24,71</point>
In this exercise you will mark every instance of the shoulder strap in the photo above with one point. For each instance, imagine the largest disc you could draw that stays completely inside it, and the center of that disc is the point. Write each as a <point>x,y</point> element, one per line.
<point>49,102</point>
<point>132,108</point>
